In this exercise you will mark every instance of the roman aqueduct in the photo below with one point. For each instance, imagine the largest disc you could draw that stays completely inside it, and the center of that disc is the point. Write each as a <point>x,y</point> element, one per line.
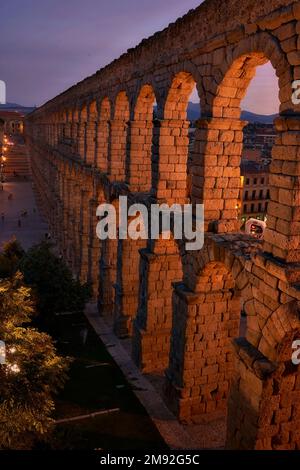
<point>99,140</point>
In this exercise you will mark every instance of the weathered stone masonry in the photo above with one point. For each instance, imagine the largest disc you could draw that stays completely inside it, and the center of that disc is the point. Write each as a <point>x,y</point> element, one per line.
<point>98,140</point>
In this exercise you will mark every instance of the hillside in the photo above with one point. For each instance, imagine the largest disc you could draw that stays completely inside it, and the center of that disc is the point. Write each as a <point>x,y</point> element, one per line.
<point>17,107</point>
<point>194,113</point>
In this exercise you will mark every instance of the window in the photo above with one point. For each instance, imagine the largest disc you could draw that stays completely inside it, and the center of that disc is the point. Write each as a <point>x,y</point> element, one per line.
<point>245,208</point>
<point>252,207</point>
<point>266,207</point>
<point>255,181</point>
<point>253,194</point>
<point>247,181</point>
<point>261,194</point>
<point>246,195</point>
<point>262,181</point>
<point>268,194</point>
<point>259,207</point>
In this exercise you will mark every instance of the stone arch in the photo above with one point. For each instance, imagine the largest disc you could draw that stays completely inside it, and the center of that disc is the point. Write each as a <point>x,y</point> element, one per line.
<point>103,134</point>
<point>91,133</point>
<point>171,142</point>
<point>233,78</point>
<point>141,139</point>
<point>108,271</point>
<point>284,322</point>
<point>68,121</point>
<point>143,108</point>
<point>121,106</point>
<point>265,390</point>
<point>82,131</point>
<point>204,322</point>
<point>127,283</point>
<point>59,126</point>
<point>216,171</point>
<point>94,243</point>
<point>160,267</point>
<point>118,156</point>
<point>279,425</point>
<point>180,89</point>
<point>75,129</point>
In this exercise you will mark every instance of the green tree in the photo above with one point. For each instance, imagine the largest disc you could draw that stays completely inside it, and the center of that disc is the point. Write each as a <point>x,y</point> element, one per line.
<point>32,372</point>
<point>56,289</point>
<point>10,256</point>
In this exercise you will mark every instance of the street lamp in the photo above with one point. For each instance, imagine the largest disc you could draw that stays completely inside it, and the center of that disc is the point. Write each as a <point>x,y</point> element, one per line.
<point>3,149</point>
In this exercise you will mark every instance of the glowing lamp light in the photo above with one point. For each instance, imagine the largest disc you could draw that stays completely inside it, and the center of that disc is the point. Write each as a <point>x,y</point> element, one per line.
<point>14,368</point>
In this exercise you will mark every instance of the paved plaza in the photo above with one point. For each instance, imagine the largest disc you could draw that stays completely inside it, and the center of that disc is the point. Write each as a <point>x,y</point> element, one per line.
<point>28,229</point>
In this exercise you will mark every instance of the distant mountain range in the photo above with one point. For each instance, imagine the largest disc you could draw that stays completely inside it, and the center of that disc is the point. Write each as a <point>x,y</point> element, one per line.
<point>252,117</point>
<point>194,113</point>
<point>16,107</point>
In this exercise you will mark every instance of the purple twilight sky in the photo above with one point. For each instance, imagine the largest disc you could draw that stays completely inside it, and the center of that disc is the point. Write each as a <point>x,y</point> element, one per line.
<point>48,45</point>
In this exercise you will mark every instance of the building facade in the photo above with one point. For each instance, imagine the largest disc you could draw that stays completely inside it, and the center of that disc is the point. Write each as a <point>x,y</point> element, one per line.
<point>13,122</point>
<point>255,191</point>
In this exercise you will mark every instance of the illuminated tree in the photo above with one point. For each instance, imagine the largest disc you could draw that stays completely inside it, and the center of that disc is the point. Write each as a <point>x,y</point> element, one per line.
<point>32,372</point>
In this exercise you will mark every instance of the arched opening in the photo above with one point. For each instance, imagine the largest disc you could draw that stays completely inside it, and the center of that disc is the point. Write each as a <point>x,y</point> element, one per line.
<point>103,135</point>
<point>91,134</point>
<point>141,139</point>
<point>118,142</point>
<point>60,127</point>
<point>95,244</point>
<point>234,188</point>
<point>74,131</point>
<point>108,272</point>
<point>160,267</point>
<point>171,141</point>
<point>127,284</point>
<point>82,133</point>
<point>68,126</point>
<point>260,107</point>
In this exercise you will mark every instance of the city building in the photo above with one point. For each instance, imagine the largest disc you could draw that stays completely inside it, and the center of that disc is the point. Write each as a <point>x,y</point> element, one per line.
<point>255,191</point>
<point>13,122</point>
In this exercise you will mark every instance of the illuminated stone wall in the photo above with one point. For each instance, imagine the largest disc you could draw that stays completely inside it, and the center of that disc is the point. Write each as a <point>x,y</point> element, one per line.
<point>98,140</point>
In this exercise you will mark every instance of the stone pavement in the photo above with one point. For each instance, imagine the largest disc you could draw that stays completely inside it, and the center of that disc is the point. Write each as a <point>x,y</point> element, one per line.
<point>33,226</point>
